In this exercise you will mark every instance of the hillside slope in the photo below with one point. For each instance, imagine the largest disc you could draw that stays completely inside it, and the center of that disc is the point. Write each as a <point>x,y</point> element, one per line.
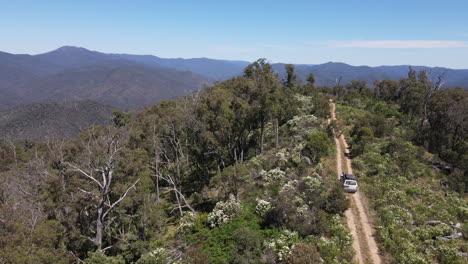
<point>123,85</point>
<point>213,69</point>
<point>53,120</point>
<point>71,73</point>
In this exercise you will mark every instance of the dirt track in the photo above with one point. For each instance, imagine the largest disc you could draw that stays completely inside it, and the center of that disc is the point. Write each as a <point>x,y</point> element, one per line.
<point>357,219</point>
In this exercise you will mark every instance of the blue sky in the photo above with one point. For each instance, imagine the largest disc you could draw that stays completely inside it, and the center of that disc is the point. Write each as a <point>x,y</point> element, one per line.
<point>378,32</point>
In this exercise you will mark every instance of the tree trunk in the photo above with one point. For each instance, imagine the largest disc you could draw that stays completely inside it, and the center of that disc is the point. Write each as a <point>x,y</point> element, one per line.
<point>157,189</point>
<point>13,148</point>
<point>234,181</point>
<point>262,136</point>
<point>277,132</point>
<point>454,137</point>
<point>178,200</point>
<point>156,165</point>
<point>174,184</point>
<point>99,227</point>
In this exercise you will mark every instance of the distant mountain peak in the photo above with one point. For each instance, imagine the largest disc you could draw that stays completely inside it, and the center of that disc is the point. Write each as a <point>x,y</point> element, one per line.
<point>73,57</point>
<point>335,63</point>
<point>66,47</point>
<point>70,49</point>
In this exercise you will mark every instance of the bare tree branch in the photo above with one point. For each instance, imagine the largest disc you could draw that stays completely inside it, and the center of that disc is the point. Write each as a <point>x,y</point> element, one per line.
<point>22,190</point>
<point>120,199</point>
<point>87,192</point>
<point>87,175</point>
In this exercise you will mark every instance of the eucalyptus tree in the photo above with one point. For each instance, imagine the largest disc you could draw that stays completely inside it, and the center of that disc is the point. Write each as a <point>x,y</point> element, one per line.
<point>291,77</point>
<point>431,82</point>
<point>386,90</point>
<point>448,119</point>
<point>100,152</point>
<point>265,82</point>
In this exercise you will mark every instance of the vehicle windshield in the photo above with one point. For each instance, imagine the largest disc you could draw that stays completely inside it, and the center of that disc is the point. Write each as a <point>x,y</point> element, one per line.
<point>350,182</point>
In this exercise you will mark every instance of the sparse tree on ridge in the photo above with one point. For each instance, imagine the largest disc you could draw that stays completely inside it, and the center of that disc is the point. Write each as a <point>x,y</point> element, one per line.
<point>291,77</point>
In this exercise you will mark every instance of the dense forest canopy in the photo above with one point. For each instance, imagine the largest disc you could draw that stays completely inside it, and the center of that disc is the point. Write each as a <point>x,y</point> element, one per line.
<point>241,172</point>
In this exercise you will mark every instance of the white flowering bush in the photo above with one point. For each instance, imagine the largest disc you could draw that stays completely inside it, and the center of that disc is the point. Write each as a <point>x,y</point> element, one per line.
<point>394,214</point>
<point>224,211</point>
<point>158,252</point>
<point>303,124</point>
<point>274,176</point>
<point>427,232</point>
<point>297,121</point>
<point>303,209</point>
<point>290,186</point>
<point>337,248</point>
<point>319,168</point>
<point>298,201</point>
<point>306,103</point>
<point>313,182</point>
<point>187,221</point>
<point>256,161</point>
<point>339,231</point>
<point>314,188</point>
<point>293,122</point>
<point>296,153</point>
<point>262,207</point>
<point>283,244</point>
<point>283,156</point>
<point>156,256</point>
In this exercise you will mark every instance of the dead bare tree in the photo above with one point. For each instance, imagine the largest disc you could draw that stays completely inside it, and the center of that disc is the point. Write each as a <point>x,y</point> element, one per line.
<point>338,80</point>
<point>156,162</point>
<point>432,81</point>
<point>20,193</point>
<point>168,160</point>
<point>100,154</point>
<point>10,142</point>
<point>337,88</point>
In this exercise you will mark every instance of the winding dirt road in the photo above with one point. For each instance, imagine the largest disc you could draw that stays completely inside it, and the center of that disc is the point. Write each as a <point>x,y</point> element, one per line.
<point>357,219</point>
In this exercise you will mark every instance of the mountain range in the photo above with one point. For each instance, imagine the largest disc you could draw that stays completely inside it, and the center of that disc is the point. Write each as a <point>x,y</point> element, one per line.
<point>128,81</point>
<point>71,73</point>
<point>62,91</point>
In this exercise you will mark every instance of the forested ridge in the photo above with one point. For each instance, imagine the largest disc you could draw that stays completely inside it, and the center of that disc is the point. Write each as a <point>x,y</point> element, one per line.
<point>58,120</point>
<point>418,196</point>
<point>243,172</point>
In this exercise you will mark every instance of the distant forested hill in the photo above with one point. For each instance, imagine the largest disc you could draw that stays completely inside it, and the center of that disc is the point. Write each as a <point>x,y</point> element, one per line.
<point>328,74</point>
<point>122,84</point>
<point>55,120</point>
<point>71,73</point>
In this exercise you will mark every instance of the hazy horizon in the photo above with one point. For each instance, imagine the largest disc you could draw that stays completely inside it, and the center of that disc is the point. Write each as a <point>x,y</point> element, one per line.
<point>238,60</point>
<point>300,32</point>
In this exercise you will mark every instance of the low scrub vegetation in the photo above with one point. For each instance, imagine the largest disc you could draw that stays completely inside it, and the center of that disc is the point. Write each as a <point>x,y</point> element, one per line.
<point>421,209</point>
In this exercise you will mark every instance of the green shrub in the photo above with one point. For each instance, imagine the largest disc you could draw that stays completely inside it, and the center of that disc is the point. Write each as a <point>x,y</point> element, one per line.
<point>195,255</point>
<point>247,245</point>
<point>100,258</point>
<point>304,253</point>
<point>220,242</point>
<point>317,145</point>
<point>157,256</point>
<point>336,201</point>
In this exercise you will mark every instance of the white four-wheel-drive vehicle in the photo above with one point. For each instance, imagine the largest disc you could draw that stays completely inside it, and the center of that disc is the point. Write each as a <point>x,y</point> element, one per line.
<point>349,182</point>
